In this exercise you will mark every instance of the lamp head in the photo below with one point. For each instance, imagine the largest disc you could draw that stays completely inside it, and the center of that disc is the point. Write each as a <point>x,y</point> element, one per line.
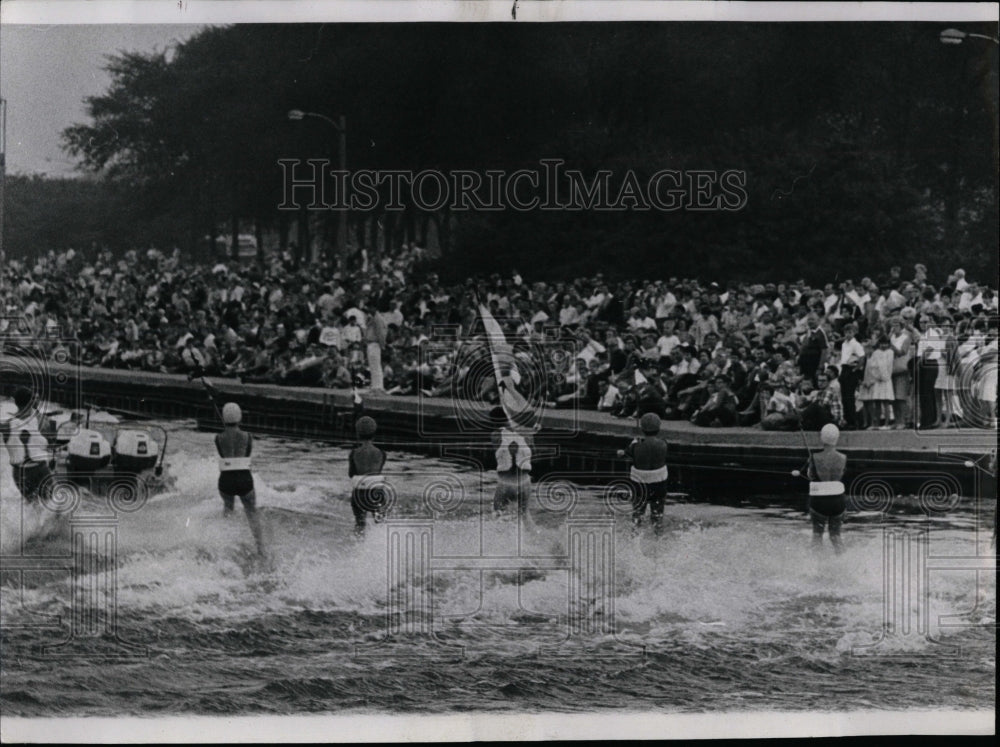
<point>296,114</point>
<point>952,36</point>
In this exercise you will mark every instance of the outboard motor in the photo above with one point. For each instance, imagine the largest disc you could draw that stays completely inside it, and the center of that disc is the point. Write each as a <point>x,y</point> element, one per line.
<point>134,451</point>
<point>51,422</point>
<point>88,451</point>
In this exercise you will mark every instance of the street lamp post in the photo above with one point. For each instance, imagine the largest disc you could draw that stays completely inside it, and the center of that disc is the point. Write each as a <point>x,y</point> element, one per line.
<point>3,172</point>
<point>340,125</point>
<point>957,36</point>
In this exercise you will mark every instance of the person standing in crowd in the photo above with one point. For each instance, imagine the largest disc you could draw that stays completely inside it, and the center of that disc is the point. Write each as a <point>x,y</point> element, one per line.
<point>967,355</point>
<point>878,385</point>
<point>827,502</point>
<point>375,339</point>
<point>944,385</point>
<point>235,479</point>
<point>902,382</point>
<point>987,380</point>
<point>852,362</point>
<point>927,372</point>
<point>648,473</point>
<point>364,467</point>
<point>27,449</point>
<point>814,348</point>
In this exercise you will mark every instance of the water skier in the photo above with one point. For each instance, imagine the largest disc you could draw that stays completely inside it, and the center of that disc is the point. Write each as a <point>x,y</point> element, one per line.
<point>827,500</point>
<point>648,474</point>
<point>235,479</point>
<point>364,467</point>
<point>512,448</point>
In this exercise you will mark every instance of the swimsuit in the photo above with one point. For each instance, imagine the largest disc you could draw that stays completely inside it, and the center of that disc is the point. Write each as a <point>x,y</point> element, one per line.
<point>235,478</point>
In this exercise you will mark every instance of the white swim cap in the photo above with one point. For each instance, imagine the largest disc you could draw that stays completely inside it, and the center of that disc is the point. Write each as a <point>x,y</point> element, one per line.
<point>231,413</point>
<point>830,434</point>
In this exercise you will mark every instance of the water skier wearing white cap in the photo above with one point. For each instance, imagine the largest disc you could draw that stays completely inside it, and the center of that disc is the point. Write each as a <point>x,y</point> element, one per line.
<point>827,501</point>
<point>235,479</point>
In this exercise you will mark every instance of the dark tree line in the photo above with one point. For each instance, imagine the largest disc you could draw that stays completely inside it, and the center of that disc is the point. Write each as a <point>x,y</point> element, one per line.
<point>864,144</point>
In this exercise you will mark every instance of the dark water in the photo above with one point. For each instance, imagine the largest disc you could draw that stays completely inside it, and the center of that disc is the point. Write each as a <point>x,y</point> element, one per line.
<point>730,609</point>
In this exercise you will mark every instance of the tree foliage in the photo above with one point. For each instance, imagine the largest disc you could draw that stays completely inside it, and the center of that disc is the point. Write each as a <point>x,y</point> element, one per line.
<point>863,144</point>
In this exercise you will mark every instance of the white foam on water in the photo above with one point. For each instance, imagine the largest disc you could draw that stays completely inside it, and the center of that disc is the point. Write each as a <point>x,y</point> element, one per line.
<point>716,572</point>
<point>19,522</point>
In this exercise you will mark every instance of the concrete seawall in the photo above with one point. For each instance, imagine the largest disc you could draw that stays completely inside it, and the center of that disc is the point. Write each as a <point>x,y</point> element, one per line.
<point>702,460</point>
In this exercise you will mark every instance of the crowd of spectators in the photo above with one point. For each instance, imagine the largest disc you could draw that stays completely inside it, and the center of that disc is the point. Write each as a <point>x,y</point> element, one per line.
<point>891,352</point>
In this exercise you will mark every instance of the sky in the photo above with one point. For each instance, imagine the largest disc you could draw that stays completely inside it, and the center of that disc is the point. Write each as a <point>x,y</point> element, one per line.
<point>46,72</point>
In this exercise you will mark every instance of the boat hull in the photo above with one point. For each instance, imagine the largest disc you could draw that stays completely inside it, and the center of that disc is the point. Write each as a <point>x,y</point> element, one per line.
<point>78,463</point>
<point>132,464</point>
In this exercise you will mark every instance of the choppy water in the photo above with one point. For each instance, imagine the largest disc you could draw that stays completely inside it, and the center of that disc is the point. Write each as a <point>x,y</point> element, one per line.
<point>730,609</point>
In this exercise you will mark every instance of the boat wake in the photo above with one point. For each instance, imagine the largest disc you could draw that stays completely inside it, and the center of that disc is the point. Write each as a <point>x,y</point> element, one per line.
<point>722,590</point>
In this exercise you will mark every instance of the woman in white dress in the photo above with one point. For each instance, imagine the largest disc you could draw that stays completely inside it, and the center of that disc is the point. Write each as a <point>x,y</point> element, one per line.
<point>944,385</point>
<point>879,394</point>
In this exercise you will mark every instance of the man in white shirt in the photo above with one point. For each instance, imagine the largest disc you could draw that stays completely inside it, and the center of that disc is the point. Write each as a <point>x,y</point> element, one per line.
<point>639,320</point>
<point>608,398</point>
<point>275,298</point>
<point>970,297</point>
<point>591,348</point>
<point>649,350</point>
<point>352,332</point>
<point>358,314</point>
<point>330,334</point>
<point>568,314</point>
<point>394,316</point>
<point>852,360</point>
<point>896,300</point>
<point>859,297</point>
<point>831,301</point>
<point>597,299</point>
<point>668,340</point>
<point>687,364</point>
<point>665,306</point>
<point>330,300</point>
<point>990,301</point>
